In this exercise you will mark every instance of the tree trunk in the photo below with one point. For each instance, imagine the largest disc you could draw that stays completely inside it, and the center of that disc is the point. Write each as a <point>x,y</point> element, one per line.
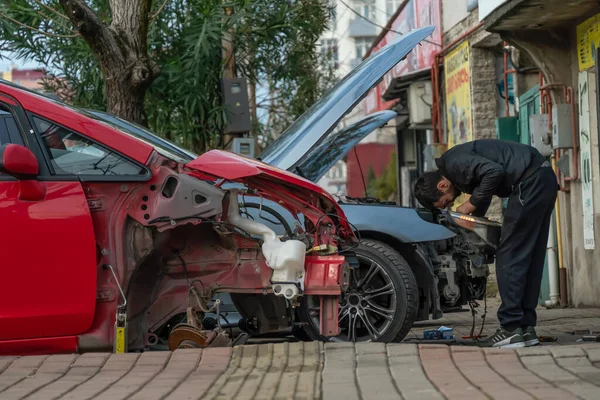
<point>122,51</point>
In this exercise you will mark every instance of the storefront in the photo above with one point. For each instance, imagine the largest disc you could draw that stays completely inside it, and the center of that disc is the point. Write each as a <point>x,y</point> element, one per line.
<point>558,113</point>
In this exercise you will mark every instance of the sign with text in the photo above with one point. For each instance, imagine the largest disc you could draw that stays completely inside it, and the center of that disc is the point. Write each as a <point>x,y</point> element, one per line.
<point>458,95</point>
<point>587,192</point>
<point>588,39</point>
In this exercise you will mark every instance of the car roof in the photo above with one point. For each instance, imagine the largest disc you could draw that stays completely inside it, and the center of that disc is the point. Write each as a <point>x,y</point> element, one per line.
<point>76,119</point>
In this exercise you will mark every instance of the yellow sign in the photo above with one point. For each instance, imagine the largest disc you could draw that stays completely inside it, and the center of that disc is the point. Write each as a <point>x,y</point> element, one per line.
<point>458,95</point>
<point>457,71</point>
<point>588,39</point>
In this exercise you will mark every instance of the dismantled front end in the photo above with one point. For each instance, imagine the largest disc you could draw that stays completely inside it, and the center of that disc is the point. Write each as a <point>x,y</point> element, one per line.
<point>187,238</point>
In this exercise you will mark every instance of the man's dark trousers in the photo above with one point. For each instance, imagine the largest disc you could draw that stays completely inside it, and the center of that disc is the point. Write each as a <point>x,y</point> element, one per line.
<point>523,242</point>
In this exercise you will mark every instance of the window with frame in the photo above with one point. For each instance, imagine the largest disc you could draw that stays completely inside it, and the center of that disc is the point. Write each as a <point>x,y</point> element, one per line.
<point>363,44</point>
<point>329,48</point>
<point>391,6</point>
<point>366,8</point>
<point>74,154</point>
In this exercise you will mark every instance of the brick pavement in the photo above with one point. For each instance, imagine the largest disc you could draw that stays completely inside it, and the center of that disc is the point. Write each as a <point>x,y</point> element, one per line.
<point>311,371</point>
<point>563,370</point>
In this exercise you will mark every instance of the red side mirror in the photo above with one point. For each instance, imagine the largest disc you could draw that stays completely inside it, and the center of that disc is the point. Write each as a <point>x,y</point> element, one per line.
<point>18,161</point>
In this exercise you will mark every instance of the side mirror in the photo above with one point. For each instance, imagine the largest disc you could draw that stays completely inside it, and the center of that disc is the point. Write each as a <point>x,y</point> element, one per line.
<point>18,161</point>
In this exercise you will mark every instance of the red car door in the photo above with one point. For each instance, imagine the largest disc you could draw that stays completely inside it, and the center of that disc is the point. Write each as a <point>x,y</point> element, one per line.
<point>47,247</point>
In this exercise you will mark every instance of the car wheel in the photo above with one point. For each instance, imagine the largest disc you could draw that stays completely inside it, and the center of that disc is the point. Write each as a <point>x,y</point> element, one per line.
<point>380,304</point>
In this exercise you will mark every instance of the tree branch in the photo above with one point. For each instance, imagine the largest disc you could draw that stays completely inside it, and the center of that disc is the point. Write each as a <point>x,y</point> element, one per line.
<point>14,21</point>
<point>93,30</point>
<point>47,7</point>
<point>155,15</point>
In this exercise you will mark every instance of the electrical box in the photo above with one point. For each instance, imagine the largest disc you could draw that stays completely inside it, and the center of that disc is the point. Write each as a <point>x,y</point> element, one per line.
<point>540,135</point>
<point>507,128</point>
<point>419,102</point>
<point>234,93</point>
<point>243,146</point>
<point>562,126</point>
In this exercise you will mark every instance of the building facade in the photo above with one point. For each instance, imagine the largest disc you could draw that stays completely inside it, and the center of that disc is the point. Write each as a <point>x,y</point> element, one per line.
<point>558,112</point>
<point>355,26</point>
<point>29,78</point>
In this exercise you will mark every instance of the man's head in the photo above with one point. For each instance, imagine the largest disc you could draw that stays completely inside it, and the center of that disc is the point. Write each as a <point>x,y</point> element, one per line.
<point>433,190</point>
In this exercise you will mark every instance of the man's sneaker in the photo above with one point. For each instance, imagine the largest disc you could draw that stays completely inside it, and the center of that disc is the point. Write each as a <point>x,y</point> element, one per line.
<point>530,336</point>
<point>504,339</point>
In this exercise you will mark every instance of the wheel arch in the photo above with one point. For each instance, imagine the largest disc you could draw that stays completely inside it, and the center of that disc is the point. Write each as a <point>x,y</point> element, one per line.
<point>418,267</point>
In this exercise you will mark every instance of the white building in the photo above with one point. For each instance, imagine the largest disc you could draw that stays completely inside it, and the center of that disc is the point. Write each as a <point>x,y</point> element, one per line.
<point>356,24</point>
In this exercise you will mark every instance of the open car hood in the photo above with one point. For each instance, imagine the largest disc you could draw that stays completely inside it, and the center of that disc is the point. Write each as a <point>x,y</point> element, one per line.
<point>321,158</point>
<point>319,120</point>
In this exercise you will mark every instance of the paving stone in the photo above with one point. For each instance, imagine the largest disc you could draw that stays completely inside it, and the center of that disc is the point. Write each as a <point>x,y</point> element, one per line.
<point>5,362</point>
<point>442,372</point>
<point>92,360</point>
<point>18,370</point>
<point>374,377</point>
<point>593,354</point>
<point>370,348</point>
<point>309,380</point>
<point>52,368</point>
<point>213,364</point>
<point>115,368</point>
<point>289,378</point>
<point>180,366</point>
<point>339,373</point>
<point>510,368</point>
<point>253,380</point>
<point>147,367</point>
<point>273,376</point>
<point>401,350</point>
<point>533,351</point>
<point>473,365</point>
<point>582,368</point>
<point>566,351</point>
<point>546,368</point>
<point>410,378</point>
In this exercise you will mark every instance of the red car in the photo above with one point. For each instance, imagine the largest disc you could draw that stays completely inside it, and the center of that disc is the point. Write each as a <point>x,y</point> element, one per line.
<point>111,238</point>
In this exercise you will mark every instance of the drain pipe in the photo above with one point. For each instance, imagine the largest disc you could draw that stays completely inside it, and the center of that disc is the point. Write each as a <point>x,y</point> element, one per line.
<point>552,269</point>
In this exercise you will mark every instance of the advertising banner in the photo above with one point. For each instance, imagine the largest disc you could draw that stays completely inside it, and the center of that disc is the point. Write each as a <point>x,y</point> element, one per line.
<point>415,14</point>
<point>587,190</point>
<point>458,95</point>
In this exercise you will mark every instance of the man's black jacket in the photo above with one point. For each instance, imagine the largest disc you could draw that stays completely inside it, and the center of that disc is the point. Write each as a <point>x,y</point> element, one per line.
<point>488,167</point>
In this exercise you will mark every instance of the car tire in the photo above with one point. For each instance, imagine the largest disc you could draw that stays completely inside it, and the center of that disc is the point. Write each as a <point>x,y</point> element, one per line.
<point>392,269</point>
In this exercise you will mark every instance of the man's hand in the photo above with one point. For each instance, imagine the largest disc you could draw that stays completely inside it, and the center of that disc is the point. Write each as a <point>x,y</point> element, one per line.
<point>466,208</point>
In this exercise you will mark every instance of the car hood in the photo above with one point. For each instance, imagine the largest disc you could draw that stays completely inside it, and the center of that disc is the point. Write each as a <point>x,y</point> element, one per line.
<point>320,119</point>
<point>321,158</point>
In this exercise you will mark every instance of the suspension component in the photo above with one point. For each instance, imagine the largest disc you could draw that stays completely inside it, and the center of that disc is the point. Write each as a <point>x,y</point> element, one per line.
<point>120,328</point>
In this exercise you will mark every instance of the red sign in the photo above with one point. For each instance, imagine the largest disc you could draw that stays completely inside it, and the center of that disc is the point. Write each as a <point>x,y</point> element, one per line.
<point>415,14</point>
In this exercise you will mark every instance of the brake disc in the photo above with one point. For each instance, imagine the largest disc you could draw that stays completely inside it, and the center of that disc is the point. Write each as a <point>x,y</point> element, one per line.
<point>186,336</point>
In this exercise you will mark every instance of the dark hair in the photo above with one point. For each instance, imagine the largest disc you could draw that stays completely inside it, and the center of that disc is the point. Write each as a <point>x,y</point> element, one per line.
<point>425,188</point>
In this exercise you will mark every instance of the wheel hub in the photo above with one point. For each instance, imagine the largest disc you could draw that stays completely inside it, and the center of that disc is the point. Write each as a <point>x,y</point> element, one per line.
<point>354,299</point>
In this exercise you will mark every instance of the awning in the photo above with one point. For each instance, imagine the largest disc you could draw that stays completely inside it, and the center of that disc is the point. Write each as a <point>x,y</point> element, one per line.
<point>517,15</point>
<point>400,83</point>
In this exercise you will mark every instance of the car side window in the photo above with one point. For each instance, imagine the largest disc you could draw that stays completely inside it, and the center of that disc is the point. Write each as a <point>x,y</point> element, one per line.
<point>9,131</point>
<point>73,154</point>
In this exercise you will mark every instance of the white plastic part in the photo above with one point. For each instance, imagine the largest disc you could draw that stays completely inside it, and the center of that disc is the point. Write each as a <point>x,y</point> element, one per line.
<point>552,269</point>
<point>286,259</point>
